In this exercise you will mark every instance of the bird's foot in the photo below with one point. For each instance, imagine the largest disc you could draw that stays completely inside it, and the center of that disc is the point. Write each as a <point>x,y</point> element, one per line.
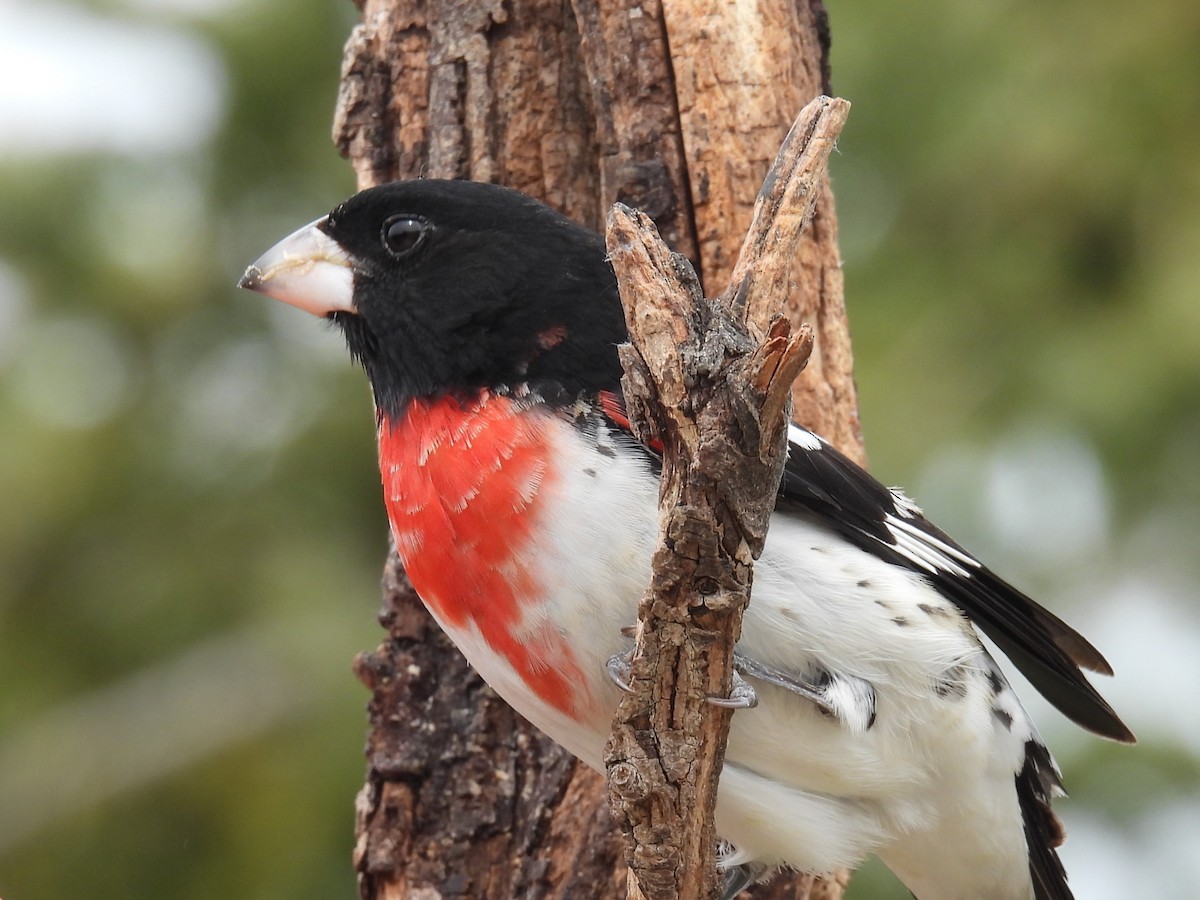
<point>741,697</point>
<point>620,670</point>
<point>739,876</point>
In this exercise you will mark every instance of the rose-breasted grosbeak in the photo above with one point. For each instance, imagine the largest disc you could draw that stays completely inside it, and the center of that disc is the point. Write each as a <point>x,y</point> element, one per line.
<point>525,513</point>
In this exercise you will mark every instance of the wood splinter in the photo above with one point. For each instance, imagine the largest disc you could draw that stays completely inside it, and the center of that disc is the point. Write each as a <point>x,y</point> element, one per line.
<point>710,380</point>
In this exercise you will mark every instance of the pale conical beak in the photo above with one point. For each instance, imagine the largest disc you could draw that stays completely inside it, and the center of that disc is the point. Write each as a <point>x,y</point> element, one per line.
<point>308,269</point>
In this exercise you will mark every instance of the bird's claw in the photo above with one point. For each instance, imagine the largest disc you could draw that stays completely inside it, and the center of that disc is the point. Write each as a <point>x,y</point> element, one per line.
<point>742,696</point>
<point>620,669</point>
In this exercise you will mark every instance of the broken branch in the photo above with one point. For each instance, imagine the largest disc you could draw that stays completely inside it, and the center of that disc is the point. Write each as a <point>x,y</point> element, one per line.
<point>710,380</point>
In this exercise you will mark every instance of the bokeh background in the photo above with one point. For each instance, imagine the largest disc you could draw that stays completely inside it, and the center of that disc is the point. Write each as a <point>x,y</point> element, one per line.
<point>190,533</point>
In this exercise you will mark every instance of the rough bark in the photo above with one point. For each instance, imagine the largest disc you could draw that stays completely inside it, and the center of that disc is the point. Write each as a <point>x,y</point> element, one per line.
<point>640,148</point>
<point>462,797</point>
<point>709,380</point>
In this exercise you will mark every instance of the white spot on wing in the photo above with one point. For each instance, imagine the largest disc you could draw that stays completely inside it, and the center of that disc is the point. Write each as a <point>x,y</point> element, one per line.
<point>913,551</point>
<point>905,505</point>
<point>928,551</point>
<point>854,700</point>
<point>803,438</point>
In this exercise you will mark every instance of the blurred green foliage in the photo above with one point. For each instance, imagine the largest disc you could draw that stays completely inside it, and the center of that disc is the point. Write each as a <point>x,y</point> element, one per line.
<point>190,533</point>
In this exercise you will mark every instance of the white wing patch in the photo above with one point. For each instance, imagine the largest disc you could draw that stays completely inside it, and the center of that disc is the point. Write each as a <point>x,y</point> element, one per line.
<point>905,505</point>
<point>803,438</point>
<point>927,551</point>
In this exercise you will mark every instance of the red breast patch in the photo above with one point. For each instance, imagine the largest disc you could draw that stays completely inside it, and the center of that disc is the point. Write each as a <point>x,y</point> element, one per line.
<point>461,484</point>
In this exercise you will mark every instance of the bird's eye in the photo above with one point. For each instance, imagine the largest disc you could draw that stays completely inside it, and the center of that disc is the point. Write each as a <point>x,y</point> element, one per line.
<point>403,234</point>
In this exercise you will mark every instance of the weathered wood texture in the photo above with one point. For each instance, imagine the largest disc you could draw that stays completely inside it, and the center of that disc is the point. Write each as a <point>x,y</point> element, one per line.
<point>638,140</point>
<point>481,89</point>
<point>463,798</point>
<point>710,380</point>
<point>742,73</point>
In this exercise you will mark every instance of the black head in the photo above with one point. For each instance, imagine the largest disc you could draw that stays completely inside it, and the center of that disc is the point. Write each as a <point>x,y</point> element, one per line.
<point>457,286</point>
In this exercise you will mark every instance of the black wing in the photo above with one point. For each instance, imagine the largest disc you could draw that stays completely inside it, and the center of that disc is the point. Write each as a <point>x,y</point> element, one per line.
<point>825,483</point>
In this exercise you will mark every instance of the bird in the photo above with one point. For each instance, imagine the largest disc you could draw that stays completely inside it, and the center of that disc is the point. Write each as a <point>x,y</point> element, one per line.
<point>524,510</point>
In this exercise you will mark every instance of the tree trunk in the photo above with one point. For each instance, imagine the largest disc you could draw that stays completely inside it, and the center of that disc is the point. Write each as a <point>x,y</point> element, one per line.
<point>672,108</point>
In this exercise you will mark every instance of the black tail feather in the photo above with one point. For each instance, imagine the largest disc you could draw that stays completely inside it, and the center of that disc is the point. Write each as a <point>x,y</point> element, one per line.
<point>1036,782</point>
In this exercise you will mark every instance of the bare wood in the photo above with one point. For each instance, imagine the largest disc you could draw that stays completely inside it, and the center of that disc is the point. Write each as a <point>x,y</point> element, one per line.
<point>784,206</point>
<point>739,89</point>
<point>703,379</point>
<point>742,70</point>
<point>481,89</point>
<point>642,163</point>
<point>801,887</point>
